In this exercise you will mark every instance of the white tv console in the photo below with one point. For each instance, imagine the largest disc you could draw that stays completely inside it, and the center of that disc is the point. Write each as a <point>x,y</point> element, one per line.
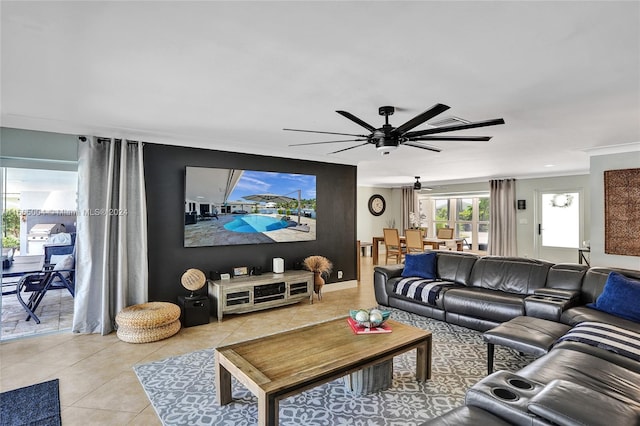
<point>256,292</point>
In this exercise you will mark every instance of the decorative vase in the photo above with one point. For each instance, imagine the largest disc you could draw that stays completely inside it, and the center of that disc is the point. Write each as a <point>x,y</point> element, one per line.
<point>318,282</point>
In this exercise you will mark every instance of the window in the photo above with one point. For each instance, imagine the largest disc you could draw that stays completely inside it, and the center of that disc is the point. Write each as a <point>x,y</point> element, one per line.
<point>441,215</point>
<point>464,219</point>
<point>467,215</point>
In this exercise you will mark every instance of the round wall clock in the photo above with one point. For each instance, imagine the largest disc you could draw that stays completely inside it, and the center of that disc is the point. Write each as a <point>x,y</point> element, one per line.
<point>377,204</point>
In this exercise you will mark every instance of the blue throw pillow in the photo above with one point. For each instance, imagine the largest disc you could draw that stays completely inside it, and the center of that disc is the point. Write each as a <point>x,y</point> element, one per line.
<point>620,297</point>
<point>421,265</point>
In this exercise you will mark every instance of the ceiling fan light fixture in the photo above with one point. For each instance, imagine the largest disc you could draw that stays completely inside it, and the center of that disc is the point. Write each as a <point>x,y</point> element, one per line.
<point>417,185</point>
<point>385,150</point>
<point>386,145</point>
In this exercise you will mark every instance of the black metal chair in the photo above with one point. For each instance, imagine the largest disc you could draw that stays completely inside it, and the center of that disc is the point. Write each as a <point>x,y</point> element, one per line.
<point>54,252</point>
<point>56,277</point>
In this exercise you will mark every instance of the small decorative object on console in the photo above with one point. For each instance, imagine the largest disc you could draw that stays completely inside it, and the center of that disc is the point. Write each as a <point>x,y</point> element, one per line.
<point>193,280</point>
<point>240,270</point>
<point>278,265</point>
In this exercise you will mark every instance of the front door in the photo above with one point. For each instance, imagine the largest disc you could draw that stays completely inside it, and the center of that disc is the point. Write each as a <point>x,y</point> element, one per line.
<point>559,225</point>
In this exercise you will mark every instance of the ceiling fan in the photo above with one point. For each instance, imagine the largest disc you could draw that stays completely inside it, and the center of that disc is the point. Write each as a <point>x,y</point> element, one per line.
<point>387,138</point>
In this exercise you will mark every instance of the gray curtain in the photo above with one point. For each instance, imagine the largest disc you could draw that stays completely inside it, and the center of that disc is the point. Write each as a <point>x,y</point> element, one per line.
<point>408,205</point>
<point>112,267</point>
<point>502,232</point>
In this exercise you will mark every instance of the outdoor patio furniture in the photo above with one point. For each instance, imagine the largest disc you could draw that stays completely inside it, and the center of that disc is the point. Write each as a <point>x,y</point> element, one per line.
<point>60,276</point>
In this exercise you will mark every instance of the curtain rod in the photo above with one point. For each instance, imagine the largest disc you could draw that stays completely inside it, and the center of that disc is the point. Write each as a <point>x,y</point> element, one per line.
<point>103,139</point>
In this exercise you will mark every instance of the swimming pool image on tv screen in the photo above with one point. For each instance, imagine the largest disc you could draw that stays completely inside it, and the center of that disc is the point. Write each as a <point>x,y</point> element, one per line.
<point>255,223</point>
<point>224,207</point>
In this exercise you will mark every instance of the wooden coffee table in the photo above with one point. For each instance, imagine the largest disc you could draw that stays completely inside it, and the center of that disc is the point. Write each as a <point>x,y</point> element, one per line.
<point>284,364</point>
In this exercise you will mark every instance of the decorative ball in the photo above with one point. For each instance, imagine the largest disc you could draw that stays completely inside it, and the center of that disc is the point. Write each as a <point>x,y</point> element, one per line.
<point>375,318</point>
<point>362,316</point>
<point>193,279</point>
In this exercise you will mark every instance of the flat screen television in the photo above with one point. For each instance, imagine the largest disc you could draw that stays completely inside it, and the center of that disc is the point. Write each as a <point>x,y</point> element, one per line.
<point>225,207</point>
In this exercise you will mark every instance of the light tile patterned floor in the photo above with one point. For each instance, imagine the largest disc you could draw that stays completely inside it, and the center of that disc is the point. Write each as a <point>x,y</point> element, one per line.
<point>55,313</point>
<point>97,382</point>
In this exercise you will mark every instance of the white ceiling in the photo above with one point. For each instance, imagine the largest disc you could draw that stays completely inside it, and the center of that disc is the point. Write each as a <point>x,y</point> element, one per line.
<point>565,76</point>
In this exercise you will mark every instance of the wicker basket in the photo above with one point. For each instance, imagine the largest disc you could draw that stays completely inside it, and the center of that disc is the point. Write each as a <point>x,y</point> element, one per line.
<point>148,322</point>
<point>146,335</point>
<point>148,315</point>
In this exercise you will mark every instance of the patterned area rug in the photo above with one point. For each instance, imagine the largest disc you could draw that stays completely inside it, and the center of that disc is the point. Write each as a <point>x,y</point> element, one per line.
<point>182,388</point>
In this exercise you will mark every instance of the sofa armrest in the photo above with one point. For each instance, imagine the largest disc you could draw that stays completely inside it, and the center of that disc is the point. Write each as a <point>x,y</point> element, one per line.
<point>382,274</point>
<point>550,303</point>
<point>390,271</point>
<point>566,403</point>
<point>558,293</point>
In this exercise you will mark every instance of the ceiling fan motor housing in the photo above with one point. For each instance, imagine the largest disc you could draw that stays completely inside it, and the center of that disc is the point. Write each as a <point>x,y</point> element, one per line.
<point>386,110</point>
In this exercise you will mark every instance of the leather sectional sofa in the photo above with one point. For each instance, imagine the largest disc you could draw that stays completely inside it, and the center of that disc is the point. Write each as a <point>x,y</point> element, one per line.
<point>574,384</point>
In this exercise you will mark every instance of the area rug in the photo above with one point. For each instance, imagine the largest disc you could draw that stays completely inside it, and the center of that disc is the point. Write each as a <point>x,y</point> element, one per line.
<point>37,404</point>
<point>182,388</point>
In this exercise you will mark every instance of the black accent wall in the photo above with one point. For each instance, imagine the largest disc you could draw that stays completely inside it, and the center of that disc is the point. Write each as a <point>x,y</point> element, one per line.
<point>164,167</point>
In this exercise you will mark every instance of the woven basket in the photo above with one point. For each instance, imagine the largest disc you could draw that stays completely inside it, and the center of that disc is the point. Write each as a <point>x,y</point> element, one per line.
<point>148,315</point>
<point>146,335</point>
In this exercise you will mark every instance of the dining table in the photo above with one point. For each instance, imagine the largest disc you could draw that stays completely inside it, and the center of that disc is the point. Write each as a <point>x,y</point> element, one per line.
<point>21,265</point>
<point>434,243</point>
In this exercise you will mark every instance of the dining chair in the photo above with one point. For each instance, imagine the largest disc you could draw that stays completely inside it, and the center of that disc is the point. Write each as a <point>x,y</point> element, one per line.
<point>392,245</point>
<point>445,233</point>
<point>414,241</point>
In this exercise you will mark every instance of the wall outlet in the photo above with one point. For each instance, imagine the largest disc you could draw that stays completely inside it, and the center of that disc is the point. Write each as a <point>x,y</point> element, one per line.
<point>339,274</point>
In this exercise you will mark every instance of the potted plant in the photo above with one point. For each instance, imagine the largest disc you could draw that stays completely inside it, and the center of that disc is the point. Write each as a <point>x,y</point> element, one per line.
<point>319,265</point>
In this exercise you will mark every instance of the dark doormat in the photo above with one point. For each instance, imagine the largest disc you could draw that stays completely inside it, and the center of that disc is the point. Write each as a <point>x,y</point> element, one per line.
<point>32,405</point>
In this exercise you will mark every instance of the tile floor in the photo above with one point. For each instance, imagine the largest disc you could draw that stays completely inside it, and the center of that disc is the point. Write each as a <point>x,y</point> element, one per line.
<point>97,382</point>
<point>55,313</point>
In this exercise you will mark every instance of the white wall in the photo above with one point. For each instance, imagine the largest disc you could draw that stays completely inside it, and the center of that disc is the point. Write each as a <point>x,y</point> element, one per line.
<point>368,225</point>
<point>600,163</point>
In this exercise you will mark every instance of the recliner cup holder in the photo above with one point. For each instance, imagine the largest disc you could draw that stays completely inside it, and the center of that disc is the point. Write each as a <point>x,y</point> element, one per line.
<point>504,394</point>
<point>520,384</point>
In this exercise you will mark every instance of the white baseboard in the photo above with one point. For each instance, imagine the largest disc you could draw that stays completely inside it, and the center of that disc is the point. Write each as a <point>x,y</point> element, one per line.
<point>342,285</point>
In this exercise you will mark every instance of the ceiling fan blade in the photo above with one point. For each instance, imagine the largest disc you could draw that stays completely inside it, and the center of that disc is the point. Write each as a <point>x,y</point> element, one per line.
<point>326,133</point>
<point>427,147</point>
<point>351,147</point>
<point>356,120</point>
<point>443,129</point>
<point>421,118</point>
<point>319,143</point>
<point>452,138</point>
